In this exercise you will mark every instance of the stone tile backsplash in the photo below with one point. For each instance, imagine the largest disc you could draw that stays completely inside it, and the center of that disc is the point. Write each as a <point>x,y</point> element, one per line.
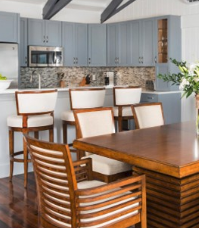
<point>50,77</point>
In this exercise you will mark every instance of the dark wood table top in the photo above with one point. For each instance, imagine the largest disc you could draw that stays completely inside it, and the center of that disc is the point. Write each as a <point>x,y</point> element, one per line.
<point>171,149</point>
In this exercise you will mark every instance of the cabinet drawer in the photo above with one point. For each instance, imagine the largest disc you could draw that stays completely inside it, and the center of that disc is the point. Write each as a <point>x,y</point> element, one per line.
<point>149,97</point>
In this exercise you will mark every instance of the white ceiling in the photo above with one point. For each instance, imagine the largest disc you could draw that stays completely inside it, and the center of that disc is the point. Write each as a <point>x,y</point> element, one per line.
<point>89,5</point>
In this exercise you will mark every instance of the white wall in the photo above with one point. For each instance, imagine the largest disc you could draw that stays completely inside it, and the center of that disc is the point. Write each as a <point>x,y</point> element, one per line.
<point>138,9</point>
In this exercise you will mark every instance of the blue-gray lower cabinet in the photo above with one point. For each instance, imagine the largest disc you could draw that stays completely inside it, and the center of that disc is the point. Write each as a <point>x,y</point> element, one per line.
<point>9,27</point>
<point>171,103</point>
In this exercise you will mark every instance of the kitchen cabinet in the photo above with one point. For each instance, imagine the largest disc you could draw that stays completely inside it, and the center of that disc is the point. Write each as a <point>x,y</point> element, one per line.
<point>168,45</point>
<point>9,27</point>
<point>23,46</point>
<point>119,44</point>
<point>97,45</point>
<point>142,46</point>
<point>171,102</point>
<point>74,42</point>
<point>44,32</point>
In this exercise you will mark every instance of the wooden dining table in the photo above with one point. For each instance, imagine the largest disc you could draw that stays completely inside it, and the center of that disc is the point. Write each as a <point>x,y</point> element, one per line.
<point>169,157</point>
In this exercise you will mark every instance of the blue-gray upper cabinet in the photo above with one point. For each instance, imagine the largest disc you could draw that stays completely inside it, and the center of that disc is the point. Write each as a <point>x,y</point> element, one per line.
<point>168,45</point>
<point>9,27</point>
<point>136,43</point>
<point>23,41</point>
<point>119,44</point>
<point>74,42</point>
<point>97,45</point>
<point>146,44</point>
<point>44,32</point>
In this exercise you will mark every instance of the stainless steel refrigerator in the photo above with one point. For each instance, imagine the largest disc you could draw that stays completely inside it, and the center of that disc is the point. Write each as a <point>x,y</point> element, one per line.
<point>9,62</point>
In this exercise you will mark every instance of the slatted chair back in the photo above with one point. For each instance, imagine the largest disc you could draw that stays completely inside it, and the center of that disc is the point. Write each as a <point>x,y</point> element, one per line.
<point>87,98</point>
<point>63,203</point>
<point>148,115</point>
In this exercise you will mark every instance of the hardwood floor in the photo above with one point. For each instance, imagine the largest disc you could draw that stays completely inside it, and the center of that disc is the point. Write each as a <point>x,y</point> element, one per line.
<point>18,207</point>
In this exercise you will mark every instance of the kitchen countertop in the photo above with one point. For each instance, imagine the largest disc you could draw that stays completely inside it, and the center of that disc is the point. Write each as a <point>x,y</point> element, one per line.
<point>12,91</point>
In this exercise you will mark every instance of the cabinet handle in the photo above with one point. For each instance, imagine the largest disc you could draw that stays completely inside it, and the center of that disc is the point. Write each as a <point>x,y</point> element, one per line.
<point>76,60</point>
<point>155,59</point>
<point>151,98</point>
<point>89,60</point>
<point>139,60</point>
<point>142,60</point>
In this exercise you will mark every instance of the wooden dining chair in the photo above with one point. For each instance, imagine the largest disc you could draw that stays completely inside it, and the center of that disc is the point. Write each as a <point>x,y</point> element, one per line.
<point>81,98</point>
<point>95,122</point>
<point>148,115</point>
<point>123,98</point>
<point>35,112</point>
<point>69,197</point>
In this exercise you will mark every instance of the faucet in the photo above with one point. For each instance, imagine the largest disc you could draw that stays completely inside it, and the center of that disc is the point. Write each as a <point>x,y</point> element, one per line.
<point>39,77</point>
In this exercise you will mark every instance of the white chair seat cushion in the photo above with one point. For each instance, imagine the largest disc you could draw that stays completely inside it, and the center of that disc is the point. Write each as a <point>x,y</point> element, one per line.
<point>95,183</point>
<point>68,116</point>
<point>33,121</point>
<point>107,166</point>
<point>126,111</point>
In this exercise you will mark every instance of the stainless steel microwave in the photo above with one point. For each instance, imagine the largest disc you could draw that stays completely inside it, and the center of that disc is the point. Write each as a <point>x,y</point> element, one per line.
<point>45,56</point>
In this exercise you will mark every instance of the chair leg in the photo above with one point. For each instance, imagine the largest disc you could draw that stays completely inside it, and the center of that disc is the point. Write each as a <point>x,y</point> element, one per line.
<point>120,123</point>
<point>25,150</point>
<point>51,135</point>
<point>11,149</point>
<point>64,133</point>
<point>36,134</point>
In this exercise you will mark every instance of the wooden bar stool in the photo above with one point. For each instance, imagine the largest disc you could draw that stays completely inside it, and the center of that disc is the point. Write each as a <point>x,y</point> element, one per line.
<point>81,99</point>
<point>35,112</point>
<point>124,97</point>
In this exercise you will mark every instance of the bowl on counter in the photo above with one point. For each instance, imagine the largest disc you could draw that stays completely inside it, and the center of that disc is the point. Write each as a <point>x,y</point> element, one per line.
<point>4,84</point>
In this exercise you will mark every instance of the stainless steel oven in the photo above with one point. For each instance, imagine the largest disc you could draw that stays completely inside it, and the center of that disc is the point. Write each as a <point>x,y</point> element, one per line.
<point>45,56</point>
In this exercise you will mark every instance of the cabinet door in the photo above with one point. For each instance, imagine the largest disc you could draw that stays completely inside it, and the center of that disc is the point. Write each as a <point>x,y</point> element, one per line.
<point>112,44</point>
<point>135,43</point>
<point>23,42</point>
<point>97,45</point>
<point>147,36</point>
<point>36,32</point>
<point>81,44</point>
<point>68,41</point>
<point>9,27</point>
<point>53,33</point>
<point>125,41</point>
<point>159,83</point>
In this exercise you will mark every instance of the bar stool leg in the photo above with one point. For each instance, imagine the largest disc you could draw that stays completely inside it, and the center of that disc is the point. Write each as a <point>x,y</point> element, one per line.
<point>25,163</point>
<point>51,135</point>
<point>11,149</point>
<point>120,123</point>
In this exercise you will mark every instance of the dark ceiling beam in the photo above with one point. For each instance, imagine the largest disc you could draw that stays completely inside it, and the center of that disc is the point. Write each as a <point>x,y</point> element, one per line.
<point>122,7</point>
<point>117,9</point>
<point>54,6</point>
<point>110,9</point>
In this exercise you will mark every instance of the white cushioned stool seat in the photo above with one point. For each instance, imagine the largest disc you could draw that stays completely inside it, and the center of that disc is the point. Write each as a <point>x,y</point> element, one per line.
<point>68,116</point>
<point>33,121</point>
<point>126,111</point>
<point>108,166</point>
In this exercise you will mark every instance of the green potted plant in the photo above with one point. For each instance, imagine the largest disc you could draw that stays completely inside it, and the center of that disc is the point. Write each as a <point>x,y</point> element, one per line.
<point>188,81</point>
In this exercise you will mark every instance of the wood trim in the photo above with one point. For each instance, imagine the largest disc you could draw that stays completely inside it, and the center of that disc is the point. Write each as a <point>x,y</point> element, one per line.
<point>143,105</point>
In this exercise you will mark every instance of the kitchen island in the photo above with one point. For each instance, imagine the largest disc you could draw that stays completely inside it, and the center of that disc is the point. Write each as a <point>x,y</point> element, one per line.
<point>8,107</point>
